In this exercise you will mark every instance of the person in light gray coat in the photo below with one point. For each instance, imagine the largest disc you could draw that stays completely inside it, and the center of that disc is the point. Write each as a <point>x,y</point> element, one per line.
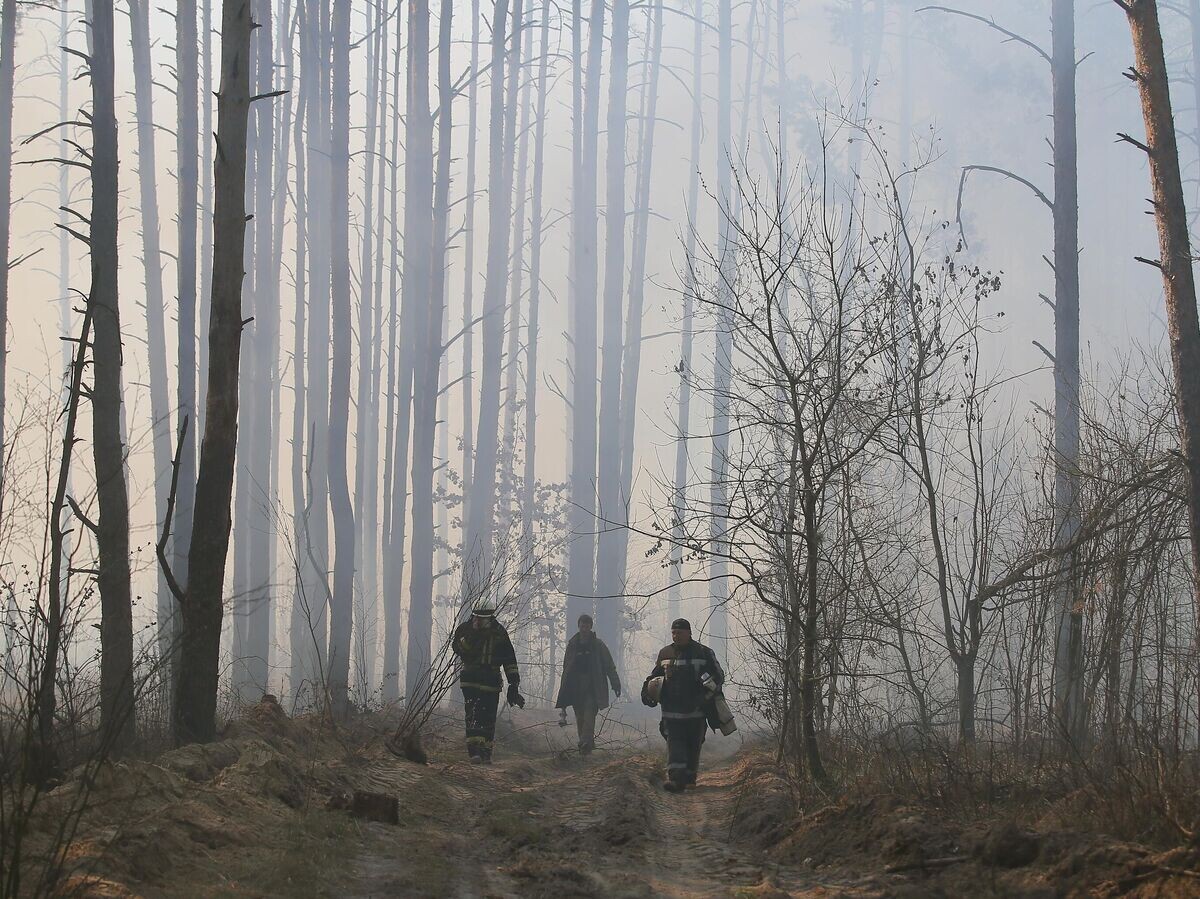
<point>588,670</point>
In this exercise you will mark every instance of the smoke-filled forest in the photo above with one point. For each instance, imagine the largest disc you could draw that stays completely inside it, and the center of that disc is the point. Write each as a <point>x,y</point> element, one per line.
<point>355,353</point>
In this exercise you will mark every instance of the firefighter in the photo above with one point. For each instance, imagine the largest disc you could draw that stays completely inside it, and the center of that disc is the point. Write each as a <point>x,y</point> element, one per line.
<point>588,670</point>
<point>686,675</point>
<point>482,644</point>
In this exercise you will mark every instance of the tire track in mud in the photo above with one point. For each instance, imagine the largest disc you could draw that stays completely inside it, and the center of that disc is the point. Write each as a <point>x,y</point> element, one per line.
<point>563,826</point>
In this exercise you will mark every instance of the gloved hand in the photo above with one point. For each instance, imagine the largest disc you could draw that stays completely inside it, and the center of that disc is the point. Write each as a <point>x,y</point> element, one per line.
<point>617,690</point>
<point>514,697</point>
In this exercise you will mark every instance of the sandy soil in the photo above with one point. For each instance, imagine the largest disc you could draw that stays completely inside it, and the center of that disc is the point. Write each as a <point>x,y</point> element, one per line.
<point>562,825</point>
<point>264,812</point>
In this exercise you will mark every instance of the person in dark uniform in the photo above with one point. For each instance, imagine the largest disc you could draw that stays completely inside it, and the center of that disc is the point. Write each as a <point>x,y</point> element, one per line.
<point>685,677</point>
<point>482,644</point>
<point>588,670</point>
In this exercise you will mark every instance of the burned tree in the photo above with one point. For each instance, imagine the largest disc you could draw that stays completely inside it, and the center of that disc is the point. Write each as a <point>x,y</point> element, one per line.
<point>112,526</point>
<point>1149,72</point>
<point>194,715</point>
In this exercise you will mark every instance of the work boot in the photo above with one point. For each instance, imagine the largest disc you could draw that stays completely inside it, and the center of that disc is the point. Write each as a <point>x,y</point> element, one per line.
<point>673,786</point>
<point>477,760</point>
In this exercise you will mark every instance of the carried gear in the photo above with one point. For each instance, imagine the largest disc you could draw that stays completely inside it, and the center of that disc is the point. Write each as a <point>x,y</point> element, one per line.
<point>515,698</point>
<point>562,718</point>
<point>720,717</point>
<point>651,691</point>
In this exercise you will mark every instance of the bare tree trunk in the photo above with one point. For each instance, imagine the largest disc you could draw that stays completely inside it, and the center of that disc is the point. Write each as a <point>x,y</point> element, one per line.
<point>282,170</point>
<point>299,640</point>
<point>1175,255</point>
<point>1068,674</point>
<point>196,699</point>
<point>396,440</point>
<point>204,148</point>
<point>477,545</point>
<point>425,394</point>
<point>518,100</point>
<point>253,522</point>
<point>366,440</point>
<point>581,520</point>
<point>719,591</point>
<point>8,67</point>
<point>156,336</point>
<point>632,362</point>
<point>187,150</point>
<point>683,420</point>
<point>609,580</point>
<point>112,526</point>
<point>536,223</point>
<point>318,389</point>
<point>341,615</point>
<point>468,380</point>
<point>420,239</point>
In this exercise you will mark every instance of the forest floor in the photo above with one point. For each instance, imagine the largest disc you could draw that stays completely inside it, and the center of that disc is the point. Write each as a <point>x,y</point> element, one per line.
<point>264,812</point>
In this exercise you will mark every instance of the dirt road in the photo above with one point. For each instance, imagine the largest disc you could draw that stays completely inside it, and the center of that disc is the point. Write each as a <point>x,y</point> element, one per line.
<point>556,824</point>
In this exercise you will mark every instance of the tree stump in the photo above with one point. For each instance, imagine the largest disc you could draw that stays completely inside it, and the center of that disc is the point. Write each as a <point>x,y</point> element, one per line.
<point>375,807</point>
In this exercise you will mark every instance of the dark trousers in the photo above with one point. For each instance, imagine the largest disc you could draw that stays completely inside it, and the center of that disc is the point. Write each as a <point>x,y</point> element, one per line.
<point>480,717</point>
<point>585,723</point>
<point>684,737</point>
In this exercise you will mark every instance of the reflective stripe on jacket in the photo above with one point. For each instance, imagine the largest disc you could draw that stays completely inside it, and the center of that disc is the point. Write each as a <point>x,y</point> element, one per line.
<point>681,667</point>
<point>483,651</point>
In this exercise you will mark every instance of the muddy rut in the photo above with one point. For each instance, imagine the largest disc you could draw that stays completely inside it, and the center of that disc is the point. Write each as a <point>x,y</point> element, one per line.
<point>560,825</point>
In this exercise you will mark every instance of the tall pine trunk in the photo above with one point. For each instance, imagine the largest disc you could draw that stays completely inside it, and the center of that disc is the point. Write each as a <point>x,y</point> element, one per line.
<point>187,151</point>
<point>8,66</point>
<point>718,465</point>
<point>518,101</point>
<point>581,519</point>
<point>477,545</point>
<point>156,336</point>
<point>341,613</point>
<point>536,223</point>
<point>316,549</point>
<point>366,442</point>
<point>299,638</point>
<point>1175,254</point>
<point>393,457</point>
<point>609,580</point>
<point>1068,666</point>
<point>199,668</point>
<point>468,379</point>
<point>419,303</point>
<point>631,364</point>
<point>425,394</point>
<point>683,413</point>
<point>112,526</point>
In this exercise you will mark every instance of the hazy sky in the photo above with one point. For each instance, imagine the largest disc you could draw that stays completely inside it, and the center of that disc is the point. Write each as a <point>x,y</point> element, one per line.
<point>982,100</point>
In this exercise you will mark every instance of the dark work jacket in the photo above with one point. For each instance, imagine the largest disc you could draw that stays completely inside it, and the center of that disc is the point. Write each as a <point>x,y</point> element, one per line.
<point>681,667</point>
<point>483,650</point>
<point>588,669</point>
